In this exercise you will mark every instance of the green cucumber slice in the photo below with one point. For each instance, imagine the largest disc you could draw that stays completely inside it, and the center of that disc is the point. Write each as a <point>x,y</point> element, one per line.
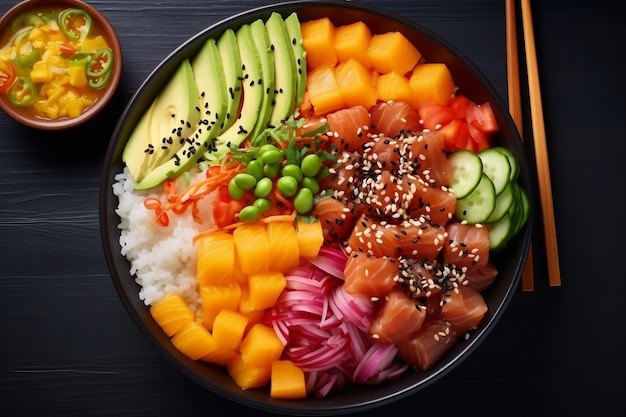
<point>504,202</point>
<point>479,204</point>
<point>500,232</point>
<point>497,167</point>
<point>515,168</point>
<point>467,169</point>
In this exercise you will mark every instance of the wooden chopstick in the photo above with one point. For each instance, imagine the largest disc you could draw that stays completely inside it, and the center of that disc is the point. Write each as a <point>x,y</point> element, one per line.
<point>515,108</point>
<point>541,151</point>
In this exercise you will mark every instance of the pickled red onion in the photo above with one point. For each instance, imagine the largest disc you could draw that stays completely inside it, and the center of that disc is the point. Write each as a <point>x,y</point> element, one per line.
<point>325,329</point>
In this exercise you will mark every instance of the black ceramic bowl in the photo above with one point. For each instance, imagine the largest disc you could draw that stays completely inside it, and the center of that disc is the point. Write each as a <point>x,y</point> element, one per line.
<point>354,398</point>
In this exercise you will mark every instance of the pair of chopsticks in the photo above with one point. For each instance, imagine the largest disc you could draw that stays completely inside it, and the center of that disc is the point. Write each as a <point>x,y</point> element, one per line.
<point>538,133</point>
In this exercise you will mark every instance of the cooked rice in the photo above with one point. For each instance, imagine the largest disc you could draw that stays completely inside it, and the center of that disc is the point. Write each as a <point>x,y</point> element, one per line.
<point>162,259</point>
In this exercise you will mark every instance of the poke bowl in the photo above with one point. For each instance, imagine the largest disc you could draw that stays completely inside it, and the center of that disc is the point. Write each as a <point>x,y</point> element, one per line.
<point>272,296</point>
<point>60,63</point>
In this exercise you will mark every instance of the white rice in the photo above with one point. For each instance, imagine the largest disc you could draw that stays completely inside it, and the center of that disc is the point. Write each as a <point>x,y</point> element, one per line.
<point>162,259</point>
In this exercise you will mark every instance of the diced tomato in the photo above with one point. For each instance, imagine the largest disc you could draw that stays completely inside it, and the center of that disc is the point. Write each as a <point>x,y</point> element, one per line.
<point>224,213</point>
<point>454,134</point>
<point>481,116</point>
<point>434,116</point>
<point>459,104</point>
<point>224,208</point>
<point>479,137</point>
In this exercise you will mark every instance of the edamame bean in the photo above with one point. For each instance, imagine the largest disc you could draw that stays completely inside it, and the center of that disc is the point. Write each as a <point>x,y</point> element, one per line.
<point>255,168</point>
<point>311,184</point>
<point>310,165</point>
<point>235,191</point>
<point>245,181</point>
<point>303,202</point>
<point>271,170</point>
<point>266,147</point>
<point>292,170</point>
<point>263,204</point>
<point>288,186</point>
<point>249,213</point>
<point>271,156</point>
<point>263,187</point>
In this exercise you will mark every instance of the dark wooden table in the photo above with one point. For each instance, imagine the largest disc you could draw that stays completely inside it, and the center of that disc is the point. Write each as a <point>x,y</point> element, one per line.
<point>69,348</point>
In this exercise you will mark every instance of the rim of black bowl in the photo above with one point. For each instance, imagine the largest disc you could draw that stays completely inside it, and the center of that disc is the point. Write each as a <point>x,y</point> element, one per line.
<point>353,398</point>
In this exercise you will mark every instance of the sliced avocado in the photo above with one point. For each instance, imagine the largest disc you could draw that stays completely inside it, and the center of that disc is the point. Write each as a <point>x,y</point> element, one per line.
<point>208,70</point>
<point>295,39</point>
<point>231,59</point>
<point>262,42</point>
<point>154,139</point>
<point>253,93</point>
<point>211,80</point>
<point>285,73</point>
<point>175,114</point>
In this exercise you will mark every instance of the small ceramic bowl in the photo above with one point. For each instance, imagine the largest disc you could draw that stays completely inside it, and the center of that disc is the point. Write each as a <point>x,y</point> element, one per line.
<point>16,66</point>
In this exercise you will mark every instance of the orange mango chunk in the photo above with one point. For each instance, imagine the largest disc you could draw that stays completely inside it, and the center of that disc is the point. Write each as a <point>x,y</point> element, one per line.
<point>283,246</point>
<point>264,289</point>
<point>247,375</point>
<point>193,340</point>
<point>252,248</point>
<point>431,83</point>
<point>217,297</point>
<point>287,380</point>
<point>355,83</point>
<point>352,41</point>
<point>323,90</point>
<point>171,313</point>
<point>228,328</point>
<point>260,347</point>
<point>216,259</point>
<point>392,51</point>
<point>318,41</point>
<point>310,238</point>
<point>393,86</point>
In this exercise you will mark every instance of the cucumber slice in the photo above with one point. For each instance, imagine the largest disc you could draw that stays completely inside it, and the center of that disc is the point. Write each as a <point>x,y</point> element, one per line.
<point>467,169</point>
<point>523,210</point>
<point>500,232</point>
<point>497,167</point>
<point>515,168</point>
<point>504,202</point>
<point>478,206</point>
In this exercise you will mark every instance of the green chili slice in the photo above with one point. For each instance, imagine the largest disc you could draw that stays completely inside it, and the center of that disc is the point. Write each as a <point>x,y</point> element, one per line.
<point>23,92</point>
<point>101,63</point>
<point>26,20</point>
<point>80,59</point>
<point>28,58</point>
<point>75,23</point>
<point>100,81</point>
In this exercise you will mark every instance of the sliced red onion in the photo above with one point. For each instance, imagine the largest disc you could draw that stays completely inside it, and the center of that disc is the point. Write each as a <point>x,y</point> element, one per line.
<point>331,260</point>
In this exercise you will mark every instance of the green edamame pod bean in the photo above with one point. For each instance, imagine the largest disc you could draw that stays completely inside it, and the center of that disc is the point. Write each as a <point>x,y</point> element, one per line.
<point>263,204</point>
<point>249,213</point>
<point>245,181</point>
<point>303,202</point>
<point>235,191</point>
<point>311,184</point>
<point>288,186</point>
<point>271,170</point>
<point>292,170</point>
<point>267,147</point>
<point>255,168</point>
<point>271,156</point>
<point>310,165</point>
<point>263,187</point>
